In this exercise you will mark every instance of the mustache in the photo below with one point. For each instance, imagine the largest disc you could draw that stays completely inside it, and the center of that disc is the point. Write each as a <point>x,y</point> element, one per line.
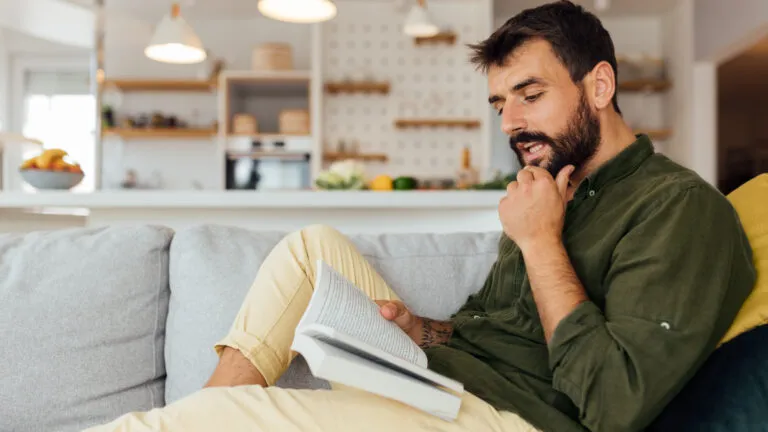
<point>526,137</point>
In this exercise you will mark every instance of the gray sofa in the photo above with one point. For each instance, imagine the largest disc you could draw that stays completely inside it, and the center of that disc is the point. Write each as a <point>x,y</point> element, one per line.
<point>98,322</point>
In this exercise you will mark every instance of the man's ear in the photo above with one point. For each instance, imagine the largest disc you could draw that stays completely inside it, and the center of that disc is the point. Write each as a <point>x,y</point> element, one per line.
<point>603,84</point>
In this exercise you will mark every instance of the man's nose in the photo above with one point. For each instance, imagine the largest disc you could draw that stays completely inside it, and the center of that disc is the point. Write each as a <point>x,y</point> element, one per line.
<point>512,121</point>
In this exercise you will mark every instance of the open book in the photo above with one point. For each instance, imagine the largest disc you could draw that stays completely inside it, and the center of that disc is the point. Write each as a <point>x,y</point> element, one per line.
<point>345,340</point>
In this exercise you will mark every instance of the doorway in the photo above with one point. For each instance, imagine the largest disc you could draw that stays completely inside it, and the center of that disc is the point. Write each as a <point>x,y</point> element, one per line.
<point>743,117</point>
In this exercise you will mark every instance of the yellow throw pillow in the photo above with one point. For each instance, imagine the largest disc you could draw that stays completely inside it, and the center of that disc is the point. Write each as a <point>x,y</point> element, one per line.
<point>751,203</point>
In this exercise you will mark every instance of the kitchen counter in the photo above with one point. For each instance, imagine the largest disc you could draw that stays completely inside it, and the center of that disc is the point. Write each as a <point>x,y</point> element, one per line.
<point>349,211</point>
<point>254,199</point>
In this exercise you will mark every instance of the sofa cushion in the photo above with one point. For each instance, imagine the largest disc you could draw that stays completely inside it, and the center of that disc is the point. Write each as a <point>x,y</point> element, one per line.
<point>83,317</point>
<point>751,203</point>
<point>728,394</point>
<point>212,268</point>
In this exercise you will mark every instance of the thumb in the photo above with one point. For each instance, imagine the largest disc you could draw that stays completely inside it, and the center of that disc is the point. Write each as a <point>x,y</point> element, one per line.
<point>397,312</point>
<point>563,177</point>
<point>391,310</point>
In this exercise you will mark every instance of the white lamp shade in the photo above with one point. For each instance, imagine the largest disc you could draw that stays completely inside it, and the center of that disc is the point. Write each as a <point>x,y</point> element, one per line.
<point>298,11</point>
<point>418,24</point>
<point>174,41</point>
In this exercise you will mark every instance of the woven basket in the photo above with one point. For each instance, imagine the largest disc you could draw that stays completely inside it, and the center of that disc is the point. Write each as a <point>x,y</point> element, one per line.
<point>294,121</point>
<point>244,124</point>
<point>272,56</point>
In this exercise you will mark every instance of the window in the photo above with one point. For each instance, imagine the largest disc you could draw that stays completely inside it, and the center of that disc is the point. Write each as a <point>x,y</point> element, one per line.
<point>60,111</point>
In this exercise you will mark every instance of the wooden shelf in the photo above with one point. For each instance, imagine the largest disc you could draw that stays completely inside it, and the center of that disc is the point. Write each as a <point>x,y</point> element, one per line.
<point>161,85</point>
<point>366,157</point>
<point>645,85</point>
<point>357,87</point>
<point>161,133</point>
<point>268,136</point>
<point>442,37</point>
<point>413,123</point>
<point>267,75</point>
<point>656,134</point>
<point>269,154</point>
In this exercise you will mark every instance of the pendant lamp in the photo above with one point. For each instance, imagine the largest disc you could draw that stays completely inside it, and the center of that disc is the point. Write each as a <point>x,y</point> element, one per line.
<point>602,5</point>
<point>174,41</point>
<point>298,11</point>
<point>417,22</point>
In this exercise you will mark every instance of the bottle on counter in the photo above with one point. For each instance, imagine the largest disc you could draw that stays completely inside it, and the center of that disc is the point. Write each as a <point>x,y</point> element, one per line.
<point>467,175</point>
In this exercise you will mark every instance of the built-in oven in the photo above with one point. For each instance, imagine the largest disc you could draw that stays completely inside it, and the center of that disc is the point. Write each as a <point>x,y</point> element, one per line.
<point>268,163</point>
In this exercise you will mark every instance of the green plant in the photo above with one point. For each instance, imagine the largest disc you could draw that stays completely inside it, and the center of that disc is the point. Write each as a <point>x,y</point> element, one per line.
<point>499,182</point>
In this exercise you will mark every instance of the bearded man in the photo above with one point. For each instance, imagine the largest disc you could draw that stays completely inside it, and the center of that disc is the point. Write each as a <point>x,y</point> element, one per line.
<point>618,273</point>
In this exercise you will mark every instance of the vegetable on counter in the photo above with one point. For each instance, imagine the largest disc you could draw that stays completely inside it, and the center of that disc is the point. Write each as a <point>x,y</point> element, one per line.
<point>343,175</point>
<point>381,183</point>
<point>405,183</point>
<point>498,183</point>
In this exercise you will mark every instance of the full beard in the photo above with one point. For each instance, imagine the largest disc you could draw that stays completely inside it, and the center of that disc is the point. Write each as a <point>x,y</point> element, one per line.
<point>576,146</point>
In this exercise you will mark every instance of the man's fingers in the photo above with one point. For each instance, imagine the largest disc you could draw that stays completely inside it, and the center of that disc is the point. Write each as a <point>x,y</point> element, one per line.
<point>563,177</point>
<point>390,309</point>
<point>524,176</point>
<point>396,311</point>
<point>537,172</point>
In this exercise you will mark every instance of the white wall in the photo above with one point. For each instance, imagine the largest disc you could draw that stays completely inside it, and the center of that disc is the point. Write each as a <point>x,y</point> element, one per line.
<point>427,81</point>
<point>677,45</point>
<point>24,44</point>
<point>19,221</point>
<point>5,84</point>
<point>633,37</point>
<point>725,27</point>
<point>53,20</point>
<point>703,102</point>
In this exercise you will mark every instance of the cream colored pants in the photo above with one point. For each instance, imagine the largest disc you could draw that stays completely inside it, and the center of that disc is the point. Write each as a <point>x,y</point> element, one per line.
<point>263,331</point>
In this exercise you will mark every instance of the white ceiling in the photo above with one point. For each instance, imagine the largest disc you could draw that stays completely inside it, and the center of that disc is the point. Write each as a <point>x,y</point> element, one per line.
<point>18,42</point>
<point>508,8</point>
<point>224,9</point>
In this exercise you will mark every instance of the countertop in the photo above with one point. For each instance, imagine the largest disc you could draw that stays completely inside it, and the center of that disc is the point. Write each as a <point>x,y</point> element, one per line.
<point>254,199</point>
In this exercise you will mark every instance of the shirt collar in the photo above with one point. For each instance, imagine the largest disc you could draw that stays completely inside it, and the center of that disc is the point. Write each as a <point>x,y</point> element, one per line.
<point>621,165</point>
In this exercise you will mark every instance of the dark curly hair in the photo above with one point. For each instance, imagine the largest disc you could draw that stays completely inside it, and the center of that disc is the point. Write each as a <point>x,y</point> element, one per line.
<point>577,37</point>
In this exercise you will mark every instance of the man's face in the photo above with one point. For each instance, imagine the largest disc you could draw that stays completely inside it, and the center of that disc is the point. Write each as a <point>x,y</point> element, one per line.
<point>547,117</point>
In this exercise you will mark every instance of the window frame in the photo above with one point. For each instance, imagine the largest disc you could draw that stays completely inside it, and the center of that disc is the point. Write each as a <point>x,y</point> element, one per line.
<point>24,63</point>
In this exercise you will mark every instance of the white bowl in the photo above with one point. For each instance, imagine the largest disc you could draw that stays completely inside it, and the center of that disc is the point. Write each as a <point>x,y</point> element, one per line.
<point>45,179</point>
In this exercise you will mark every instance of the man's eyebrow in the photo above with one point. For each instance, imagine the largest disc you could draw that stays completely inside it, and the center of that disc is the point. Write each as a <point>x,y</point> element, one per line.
<point>519,86</point>
<point>525,83</point>
<point>493,99</point>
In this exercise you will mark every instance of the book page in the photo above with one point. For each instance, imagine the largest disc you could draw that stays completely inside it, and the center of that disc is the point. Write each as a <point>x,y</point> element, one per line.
<point>341,306</point>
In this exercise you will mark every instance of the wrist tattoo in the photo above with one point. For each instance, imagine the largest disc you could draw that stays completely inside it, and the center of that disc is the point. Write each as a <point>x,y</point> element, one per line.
<point>434,333</point>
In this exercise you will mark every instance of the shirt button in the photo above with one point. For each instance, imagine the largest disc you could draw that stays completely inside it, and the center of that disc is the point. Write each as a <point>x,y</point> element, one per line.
<point>665,325</point>
<point>592,193</point>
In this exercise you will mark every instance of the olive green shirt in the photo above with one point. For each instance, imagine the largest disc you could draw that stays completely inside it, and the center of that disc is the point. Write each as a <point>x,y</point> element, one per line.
<point>666,266</point>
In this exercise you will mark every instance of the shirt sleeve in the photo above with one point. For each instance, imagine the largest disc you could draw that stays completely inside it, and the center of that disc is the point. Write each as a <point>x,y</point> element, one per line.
<point>676,281</point>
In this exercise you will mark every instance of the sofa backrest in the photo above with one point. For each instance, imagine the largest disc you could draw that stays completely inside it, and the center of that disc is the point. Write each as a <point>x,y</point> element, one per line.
<point>82,325</point>
<point>92,319</point>
<point>212,268</point>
